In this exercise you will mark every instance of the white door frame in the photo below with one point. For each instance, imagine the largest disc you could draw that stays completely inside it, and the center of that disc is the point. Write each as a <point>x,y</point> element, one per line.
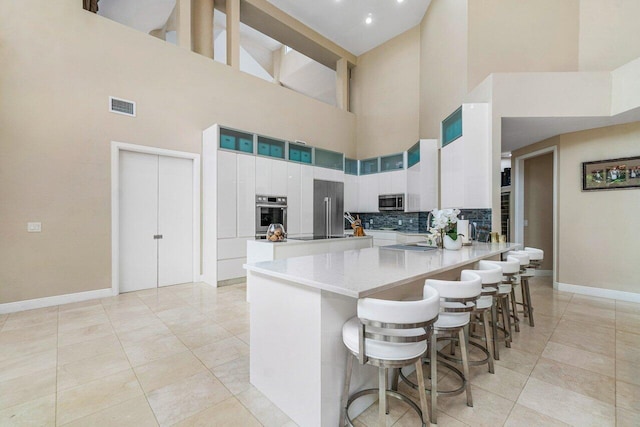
<point>518,197</point>
<point>116,147</point>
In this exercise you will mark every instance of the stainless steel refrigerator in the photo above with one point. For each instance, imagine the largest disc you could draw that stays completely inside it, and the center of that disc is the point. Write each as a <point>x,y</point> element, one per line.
<point>328,208</point>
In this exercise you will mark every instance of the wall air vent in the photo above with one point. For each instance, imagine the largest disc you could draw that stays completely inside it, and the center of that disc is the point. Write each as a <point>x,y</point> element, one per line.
<point>122,106</point>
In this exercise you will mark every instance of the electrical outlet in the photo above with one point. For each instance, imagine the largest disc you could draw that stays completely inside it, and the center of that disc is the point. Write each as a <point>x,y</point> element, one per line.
<point>399,222</point>
<point>34,227</point>
<point>411,221</point>
<point>371,221</point>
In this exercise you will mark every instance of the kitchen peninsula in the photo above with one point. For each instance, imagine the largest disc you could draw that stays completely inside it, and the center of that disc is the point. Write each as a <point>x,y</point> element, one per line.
<point>298,307</point>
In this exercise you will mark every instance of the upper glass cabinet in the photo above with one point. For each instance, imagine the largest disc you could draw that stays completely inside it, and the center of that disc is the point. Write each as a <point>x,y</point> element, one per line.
<point>300,153</point>
<point>270,147</point>
<point>413,155</point>
<point>236,140</point>
<point>350,166</point>
<point>329,159</point>
<point>392,162</point>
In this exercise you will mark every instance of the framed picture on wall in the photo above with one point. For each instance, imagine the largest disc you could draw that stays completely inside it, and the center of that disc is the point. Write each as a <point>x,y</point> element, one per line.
<point>611,174</point>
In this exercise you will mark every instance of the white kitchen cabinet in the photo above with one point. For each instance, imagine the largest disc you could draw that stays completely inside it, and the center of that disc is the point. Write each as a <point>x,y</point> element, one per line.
<point>351,193</point>
<point>246,197</point>
<point>271,176</point>
<point>279,180</point>
<point>466,162</point>
<point>306,199</point>
<point>327,174</point>
<point>368,193</point>
<point>227,194</point>
<point>393,182</point>
<point>422,179</point>
<point>233,248</point>
<point>294,198</point>
<point>263,176</point>
<point>398,181</point>
<point>231,268</point>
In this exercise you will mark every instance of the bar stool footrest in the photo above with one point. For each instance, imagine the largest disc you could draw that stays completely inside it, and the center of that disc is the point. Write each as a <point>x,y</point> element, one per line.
<point>390,393</point>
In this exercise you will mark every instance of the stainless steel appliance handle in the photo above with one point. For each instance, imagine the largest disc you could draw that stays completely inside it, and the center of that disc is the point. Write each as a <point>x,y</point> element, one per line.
<point>330,229</point>
<point>270,206</point>
<point>326,216</point>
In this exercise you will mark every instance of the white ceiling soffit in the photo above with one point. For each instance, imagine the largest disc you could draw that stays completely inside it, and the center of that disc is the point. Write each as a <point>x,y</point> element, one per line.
<point>343,21</point>
<point>143,15</point>
<point>518,132</point>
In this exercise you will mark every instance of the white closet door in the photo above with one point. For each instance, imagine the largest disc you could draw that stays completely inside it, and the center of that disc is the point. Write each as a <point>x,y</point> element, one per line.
<point>175,221</point>
<point>138,219</point>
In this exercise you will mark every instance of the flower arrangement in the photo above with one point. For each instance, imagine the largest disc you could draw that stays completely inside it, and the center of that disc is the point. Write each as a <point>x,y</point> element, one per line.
<point>445,222</point>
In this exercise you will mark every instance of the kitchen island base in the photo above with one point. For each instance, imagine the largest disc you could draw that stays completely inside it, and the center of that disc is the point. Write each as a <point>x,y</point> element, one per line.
<point>298,308</point>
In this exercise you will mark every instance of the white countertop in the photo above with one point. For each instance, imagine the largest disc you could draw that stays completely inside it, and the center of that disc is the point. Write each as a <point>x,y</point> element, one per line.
<point>363,272</point>
<point>296,241</point>
<point>378,230</point>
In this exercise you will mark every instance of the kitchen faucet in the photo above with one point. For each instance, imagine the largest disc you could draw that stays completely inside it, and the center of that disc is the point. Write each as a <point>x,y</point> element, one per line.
<point>429,218</point>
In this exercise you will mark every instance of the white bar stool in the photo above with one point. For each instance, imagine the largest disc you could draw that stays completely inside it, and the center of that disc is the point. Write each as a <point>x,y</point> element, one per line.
<point>457,301</point>
<point>491,275</point>
<point>389,334</point>
<point>509,269</point>
<point>524,274</point>
<point>536,256</point>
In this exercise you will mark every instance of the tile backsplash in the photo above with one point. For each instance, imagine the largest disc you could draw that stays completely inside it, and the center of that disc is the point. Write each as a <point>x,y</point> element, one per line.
<point>416,222</point>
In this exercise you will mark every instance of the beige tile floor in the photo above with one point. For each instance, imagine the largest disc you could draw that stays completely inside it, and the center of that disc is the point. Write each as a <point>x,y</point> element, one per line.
<point>179,356</point>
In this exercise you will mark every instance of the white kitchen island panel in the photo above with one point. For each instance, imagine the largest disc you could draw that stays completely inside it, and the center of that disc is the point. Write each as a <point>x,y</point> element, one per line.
<point>298,307</point>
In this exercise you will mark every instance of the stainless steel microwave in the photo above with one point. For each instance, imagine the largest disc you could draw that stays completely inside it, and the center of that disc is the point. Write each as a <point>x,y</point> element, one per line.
<point>391,202</point>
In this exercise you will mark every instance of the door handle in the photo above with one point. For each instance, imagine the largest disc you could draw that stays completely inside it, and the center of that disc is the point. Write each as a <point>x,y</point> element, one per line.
<point>157,236</point>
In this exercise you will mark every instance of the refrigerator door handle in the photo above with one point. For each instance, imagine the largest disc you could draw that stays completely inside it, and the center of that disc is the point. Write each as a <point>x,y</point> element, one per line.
<point>329,213</point>
<point>326,216</point>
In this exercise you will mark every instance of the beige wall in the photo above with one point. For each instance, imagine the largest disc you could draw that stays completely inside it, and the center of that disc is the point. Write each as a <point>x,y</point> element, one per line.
<point>60,64</point>
<point>599,229</point>
<point>609,33</point>
<point>596,247</point>
<point>538,205</point>
<point>513,36</point>
<point>385,96</point>
<point>443,63</point>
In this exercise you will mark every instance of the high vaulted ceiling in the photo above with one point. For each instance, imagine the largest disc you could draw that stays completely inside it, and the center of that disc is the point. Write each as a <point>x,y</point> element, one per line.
<point>343,21</point>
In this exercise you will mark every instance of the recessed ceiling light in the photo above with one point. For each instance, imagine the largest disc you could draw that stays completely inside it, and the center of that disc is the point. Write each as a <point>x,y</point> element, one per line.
<point>400,1</point>
<point>369,19</point>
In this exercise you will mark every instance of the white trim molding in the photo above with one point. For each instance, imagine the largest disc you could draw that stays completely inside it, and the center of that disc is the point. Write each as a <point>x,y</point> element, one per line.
<point>597,292</point>
<point>12,307</point>
<point>116,147</point>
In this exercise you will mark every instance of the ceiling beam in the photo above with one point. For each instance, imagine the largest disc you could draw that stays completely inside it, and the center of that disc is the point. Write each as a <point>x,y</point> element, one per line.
<point>268,19</point>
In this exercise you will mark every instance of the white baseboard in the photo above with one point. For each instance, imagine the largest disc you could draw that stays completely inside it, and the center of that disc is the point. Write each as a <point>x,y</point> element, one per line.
<point>12,307</point>
<point>598,292</point>
<point>543,273</point>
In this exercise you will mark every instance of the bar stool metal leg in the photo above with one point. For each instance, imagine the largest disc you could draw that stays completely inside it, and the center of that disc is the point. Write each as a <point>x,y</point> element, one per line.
<point>494,328</point>
<point>506,320</point>
<point>463,335</point>
<point>526,294</point>
<point>345,390</point>
<point>433,355</point>
<point>382,397</point>
<point>514,309</point>
<point>485,322</point>
<point>423,395</point>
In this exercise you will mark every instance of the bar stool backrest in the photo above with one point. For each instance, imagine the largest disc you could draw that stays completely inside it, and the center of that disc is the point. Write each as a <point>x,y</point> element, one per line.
<point>521,256</point>
<point>491,276</point>
<point>465,291</point>
<point>396,322</point>
<point>510,266</point>
<point>535,254</point>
